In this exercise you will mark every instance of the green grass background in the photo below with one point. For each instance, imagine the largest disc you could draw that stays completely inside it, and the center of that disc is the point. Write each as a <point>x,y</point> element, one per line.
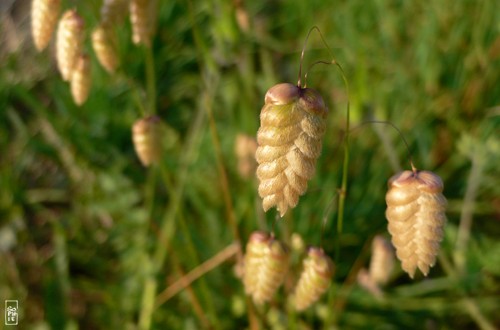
<point>88,236</point>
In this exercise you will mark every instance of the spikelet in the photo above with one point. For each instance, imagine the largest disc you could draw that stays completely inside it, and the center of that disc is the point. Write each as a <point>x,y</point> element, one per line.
<point>147,134</point>
<point>382,260</point>
<point>245,148</point>
<point>43,21</point>
<point>416,216</point>
<point>142,19</point>
<point>272,271</point>
<point>81,80</point>
<point>315,278</point>
<point>292,124</point>
<point>105,47</point>
<point>113,11</point>
<point>266,265</point>
<point>69,43</point>
<point>255,251</point>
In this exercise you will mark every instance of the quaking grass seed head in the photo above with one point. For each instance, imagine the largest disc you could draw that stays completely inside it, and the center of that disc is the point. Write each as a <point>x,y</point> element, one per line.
<point>315,278</point>
<point>113,12</point>
<point>81,79</point>
<point>292,125</point>
<point>143,19</point>
<point>416,217</point>
<point>69,42</point>
<point>256,250</point>
<point>382,260</point>
<point>104,44</point>
<point>244,148</point>
<point>147,135</point>
<point>271,272</point>
<point>44,15</point>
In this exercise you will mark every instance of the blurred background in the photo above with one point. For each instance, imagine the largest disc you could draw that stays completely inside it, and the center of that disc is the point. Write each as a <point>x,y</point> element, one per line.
<point>89,238</point>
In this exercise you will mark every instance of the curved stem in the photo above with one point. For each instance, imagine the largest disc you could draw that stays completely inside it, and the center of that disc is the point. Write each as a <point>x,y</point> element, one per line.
<point>345,167</point>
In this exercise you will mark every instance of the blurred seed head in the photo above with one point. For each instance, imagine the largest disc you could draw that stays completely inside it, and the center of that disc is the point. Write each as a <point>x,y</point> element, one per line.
<point>382,260</point>
<point>266,265</point>
<point>105,47</point>
<point>69,43</point>
<point>147,135</point>
<point>143,19</point>
<point>113,12</point>
<point>81,79</point>
<point>315,278</point>
<point>44,15</point>
<point>244,148</point>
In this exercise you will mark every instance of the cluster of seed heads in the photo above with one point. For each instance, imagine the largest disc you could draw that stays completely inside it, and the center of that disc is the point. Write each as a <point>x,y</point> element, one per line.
<point>292,125</point>
<point>72,61</point>
<point>266,264</point>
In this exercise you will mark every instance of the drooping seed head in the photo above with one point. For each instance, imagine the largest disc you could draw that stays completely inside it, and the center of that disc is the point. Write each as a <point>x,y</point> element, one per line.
<point>147,135</point>
<point>315,278</point>
<point>244,148</point>
<point>382,260</point>
<point>416,216</point>
<point>44,15</point>
<point>255,252</point>
<point>113,12</point>
<point>69,43</point>
<point>105,47</point>
<point>292,124</point>
<point>81,79</point>
<point>272,271</point>
<point>142,17</point>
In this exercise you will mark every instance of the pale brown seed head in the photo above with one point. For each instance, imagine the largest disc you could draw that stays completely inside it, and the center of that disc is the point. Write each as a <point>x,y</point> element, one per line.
<point>255,252</point>
<point>147,135</point>
<point>315,278</point>
<point>105,47</point>
<point>81,80</point>
<point>113,12</point>
<point>142,17</point>
<point>382,260</point>
<point>44,15</point>
<point>242,17</point>
<point>69,43</point>
<point>244,148</point>
<point>416,216</point>
<point>272,271</point>
<point>292,124</point>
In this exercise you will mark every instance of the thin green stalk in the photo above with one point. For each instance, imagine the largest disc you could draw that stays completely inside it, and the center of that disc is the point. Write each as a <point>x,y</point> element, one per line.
<point>192,254</point>
<point>168,223</point>
<point>231,219</point>
<point>207,63</point>
<point>345,169</point>
<point>345,166</point>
